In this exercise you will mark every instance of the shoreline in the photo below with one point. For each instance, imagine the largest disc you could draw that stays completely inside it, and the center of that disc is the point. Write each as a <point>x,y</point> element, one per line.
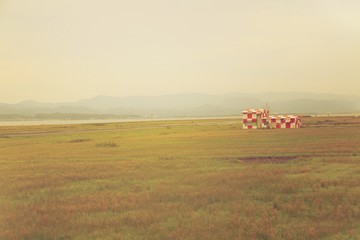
<point>124,120</point>
<point>94,121</point>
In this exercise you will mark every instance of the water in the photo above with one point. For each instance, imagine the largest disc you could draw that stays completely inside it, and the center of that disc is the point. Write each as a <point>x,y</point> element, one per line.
<point>90,121</point>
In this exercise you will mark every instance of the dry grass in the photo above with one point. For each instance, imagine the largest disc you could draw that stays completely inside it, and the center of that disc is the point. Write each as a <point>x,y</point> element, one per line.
<point>200,180</point>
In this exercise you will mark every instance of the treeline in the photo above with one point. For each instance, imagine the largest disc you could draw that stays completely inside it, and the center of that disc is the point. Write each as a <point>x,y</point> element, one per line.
<point>62,116</point>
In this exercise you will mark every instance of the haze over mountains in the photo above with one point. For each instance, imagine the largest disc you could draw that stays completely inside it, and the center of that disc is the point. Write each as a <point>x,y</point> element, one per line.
<point>184,105</point>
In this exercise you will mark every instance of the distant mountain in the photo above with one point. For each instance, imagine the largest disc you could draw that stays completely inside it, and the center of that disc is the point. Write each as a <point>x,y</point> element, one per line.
<point>194,104</point>
<point>175,101</point>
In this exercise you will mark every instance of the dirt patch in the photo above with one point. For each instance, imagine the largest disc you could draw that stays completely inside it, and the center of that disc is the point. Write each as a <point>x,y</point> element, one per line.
<point>260,159</point>
<point>284,159</point>
<point>272,159</point>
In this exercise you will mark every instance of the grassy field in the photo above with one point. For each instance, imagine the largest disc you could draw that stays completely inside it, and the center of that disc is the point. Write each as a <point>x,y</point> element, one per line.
<point>201,179</point>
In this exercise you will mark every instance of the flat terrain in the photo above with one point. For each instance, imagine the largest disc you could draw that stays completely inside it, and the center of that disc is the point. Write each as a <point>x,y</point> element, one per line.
<point>201,179</point>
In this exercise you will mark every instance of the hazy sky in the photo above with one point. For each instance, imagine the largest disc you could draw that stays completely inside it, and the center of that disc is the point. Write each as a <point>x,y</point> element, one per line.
<point>65,50</point>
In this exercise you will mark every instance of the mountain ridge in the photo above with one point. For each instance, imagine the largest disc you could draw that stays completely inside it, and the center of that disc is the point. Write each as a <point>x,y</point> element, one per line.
<point>193,104</point>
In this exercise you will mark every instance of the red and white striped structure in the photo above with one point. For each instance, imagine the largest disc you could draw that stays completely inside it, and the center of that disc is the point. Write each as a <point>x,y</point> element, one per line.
<point>284,121</point>
<point>260,118</point>
<point>254,118</point>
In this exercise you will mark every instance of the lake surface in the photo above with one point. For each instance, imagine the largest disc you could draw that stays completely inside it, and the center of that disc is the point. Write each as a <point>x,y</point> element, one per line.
<point>89,121</point>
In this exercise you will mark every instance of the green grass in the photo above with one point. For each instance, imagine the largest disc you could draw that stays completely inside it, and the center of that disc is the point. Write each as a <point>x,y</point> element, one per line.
<point>204,179</point>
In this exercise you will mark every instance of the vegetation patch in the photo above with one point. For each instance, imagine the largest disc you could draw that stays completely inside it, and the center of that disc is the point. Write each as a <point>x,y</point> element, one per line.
<point>97,124</point>
<point>110,144</point>
<point>79,140</point>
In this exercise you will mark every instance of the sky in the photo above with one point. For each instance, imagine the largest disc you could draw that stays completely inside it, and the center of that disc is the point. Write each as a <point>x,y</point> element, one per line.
<point>66,50</point>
